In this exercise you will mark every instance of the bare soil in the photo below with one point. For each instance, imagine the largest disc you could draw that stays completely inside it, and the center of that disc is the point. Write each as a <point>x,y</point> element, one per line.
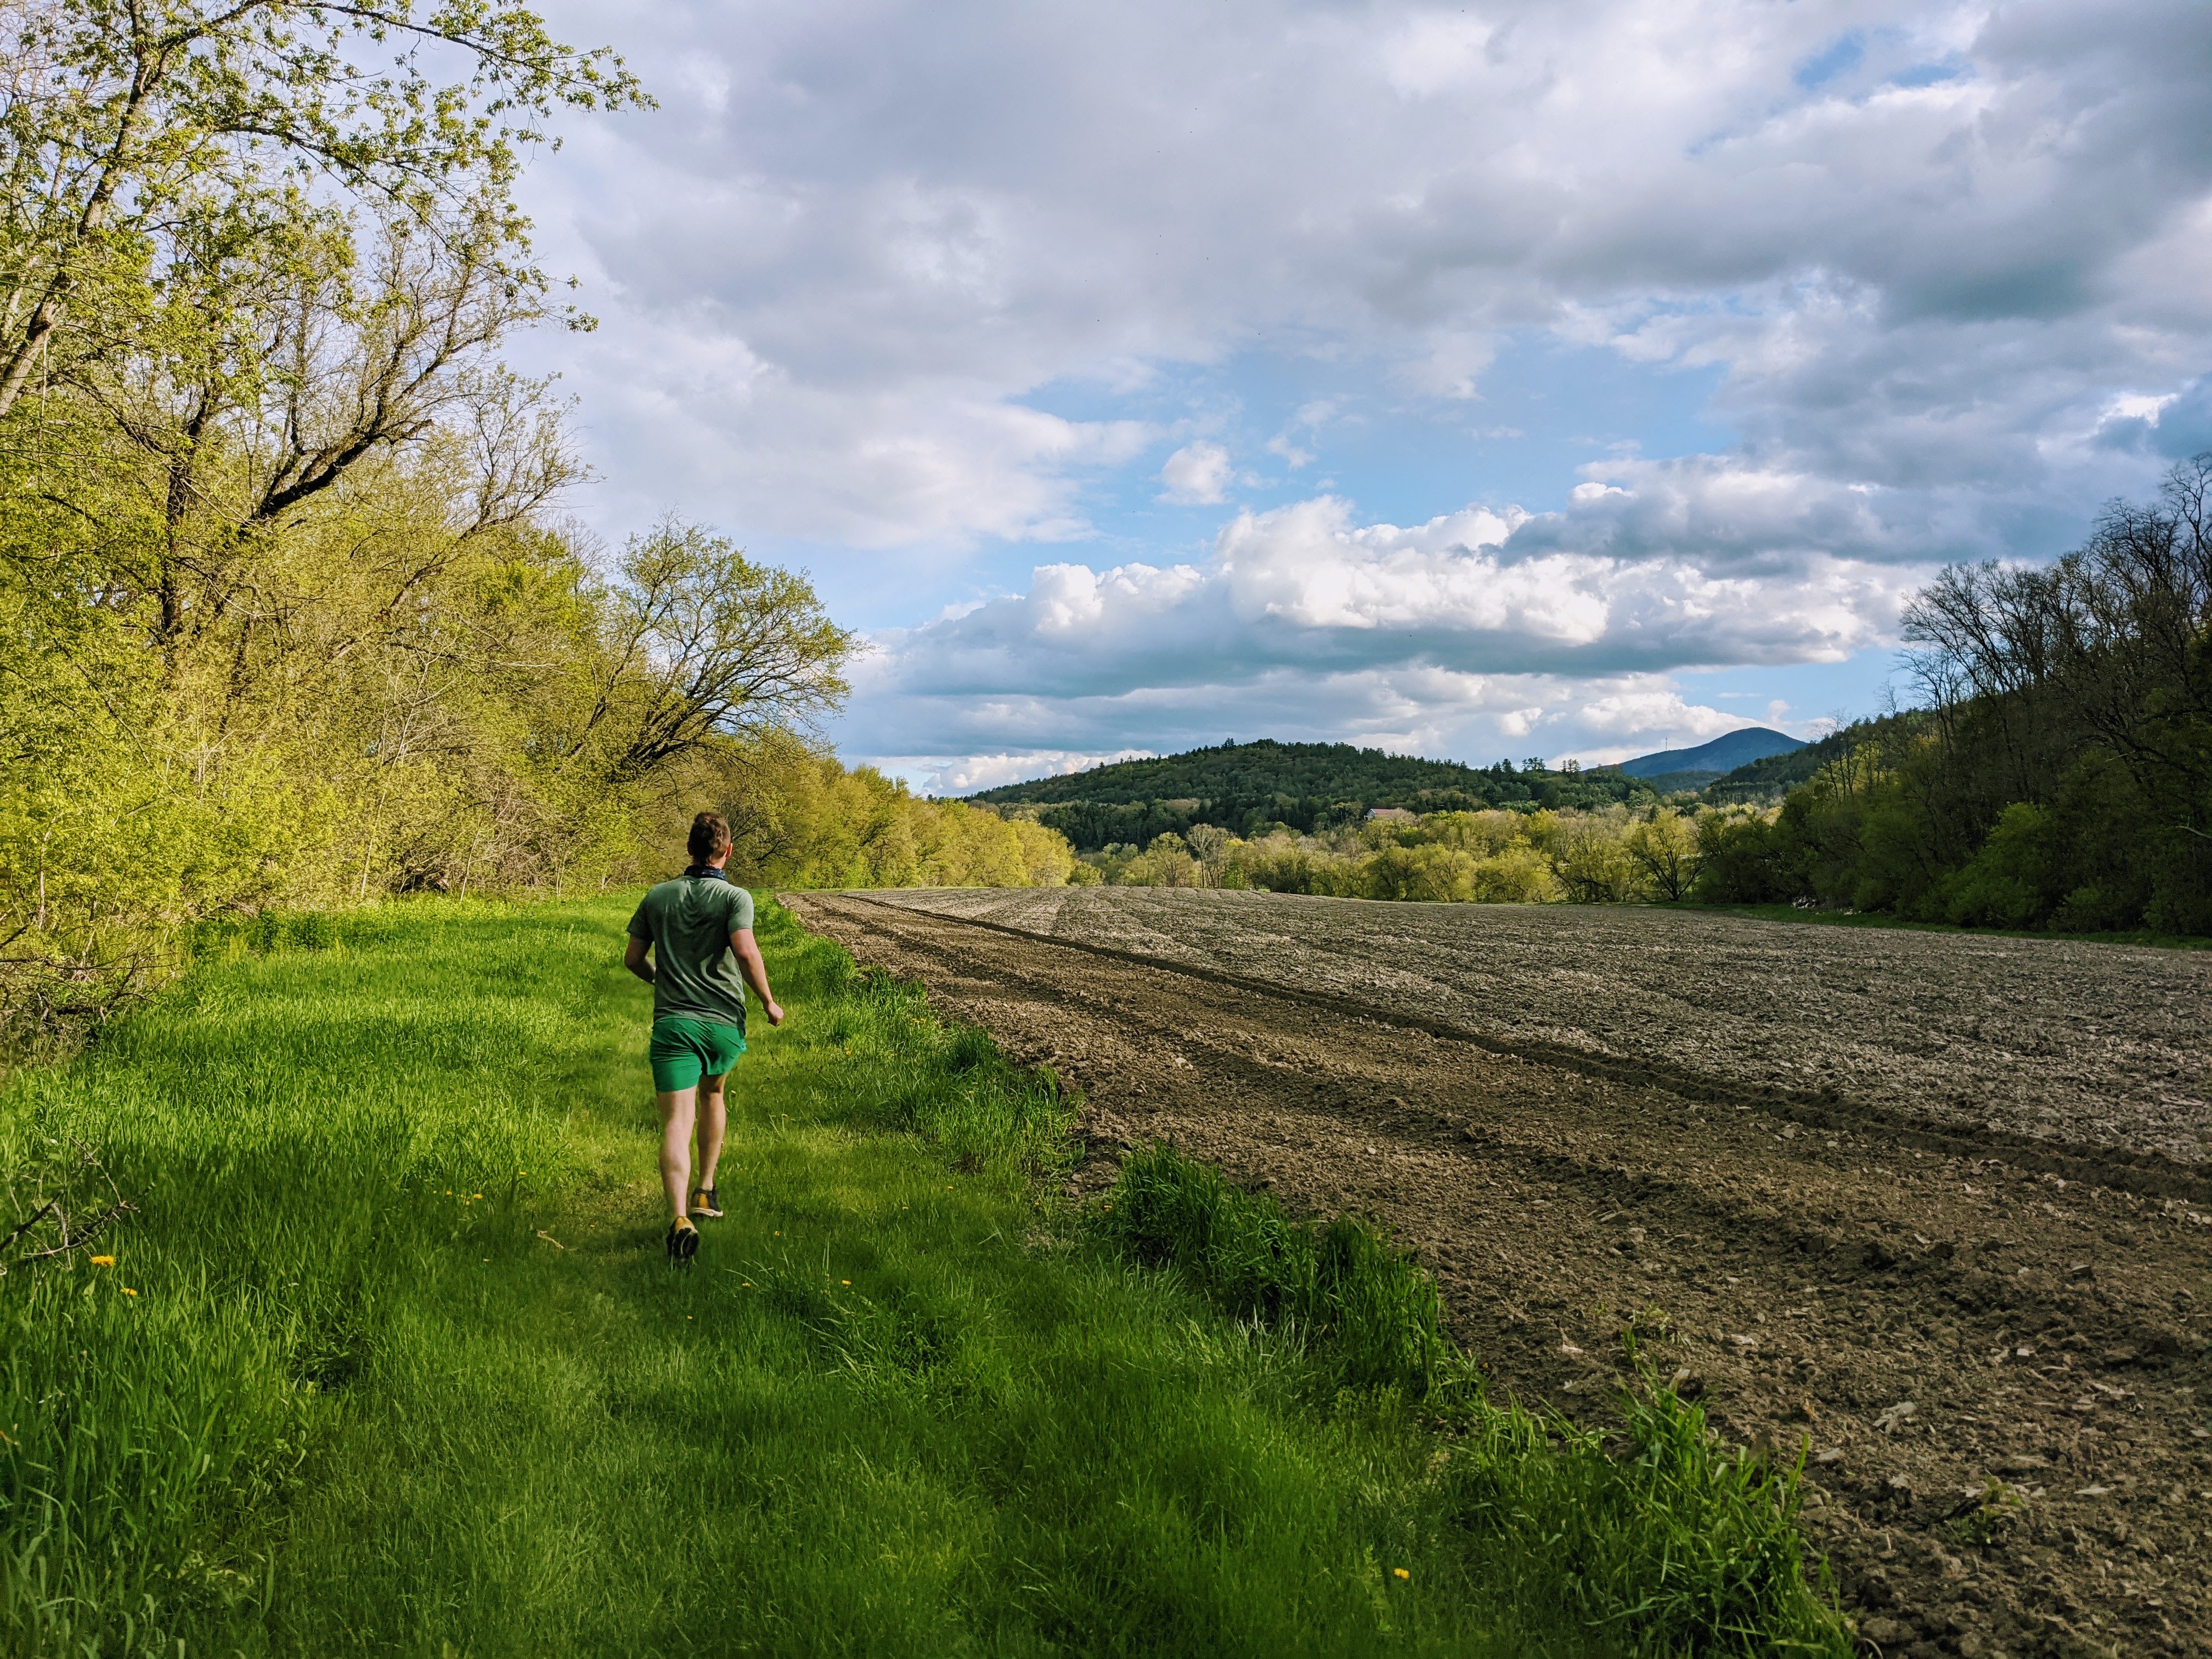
<point>1587,1122</point>
<point>2076,1045</point>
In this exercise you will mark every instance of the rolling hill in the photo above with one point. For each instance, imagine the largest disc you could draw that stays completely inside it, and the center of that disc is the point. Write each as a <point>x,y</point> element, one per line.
<point>1245,788</point>
<point>1261,770</point>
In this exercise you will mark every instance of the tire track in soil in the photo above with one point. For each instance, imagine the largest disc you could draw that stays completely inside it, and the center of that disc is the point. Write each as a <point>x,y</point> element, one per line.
<point>2046,1332</point>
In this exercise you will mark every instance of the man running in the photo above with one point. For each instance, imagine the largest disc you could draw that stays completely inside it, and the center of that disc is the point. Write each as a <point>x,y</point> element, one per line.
<point>700,930</point>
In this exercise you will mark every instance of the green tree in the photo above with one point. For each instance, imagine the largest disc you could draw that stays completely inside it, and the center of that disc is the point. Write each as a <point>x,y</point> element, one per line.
<point>704,643</point>
<point>1665,848</point>
<point>135,134</point>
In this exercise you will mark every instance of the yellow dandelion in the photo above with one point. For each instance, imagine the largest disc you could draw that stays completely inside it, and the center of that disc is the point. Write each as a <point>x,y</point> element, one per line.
<point>476,1195</point>
<point>103,1262</point>
<point>844,1281</point>
<point>127,1291</point>
<point>1400,1572</point>
<point>748,1284</point>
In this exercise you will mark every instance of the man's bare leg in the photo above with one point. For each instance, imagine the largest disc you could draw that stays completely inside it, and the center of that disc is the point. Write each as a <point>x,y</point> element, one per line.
<point>713,1124</point>
<point>675,1114</point>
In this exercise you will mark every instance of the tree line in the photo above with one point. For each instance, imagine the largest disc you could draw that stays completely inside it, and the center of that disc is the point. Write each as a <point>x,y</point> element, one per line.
<point>2059,772</point>
<point>1609,855</point>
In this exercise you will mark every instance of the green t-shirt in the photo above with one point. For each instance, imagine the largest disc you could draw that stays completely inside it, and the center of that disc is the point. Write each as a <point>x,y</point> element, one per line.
<point>687,922</point>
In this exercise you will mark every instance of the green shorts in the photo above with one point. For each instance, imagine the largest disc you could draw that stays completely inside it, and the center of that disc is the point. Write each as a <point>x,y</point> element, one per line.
<point>683,1050</point>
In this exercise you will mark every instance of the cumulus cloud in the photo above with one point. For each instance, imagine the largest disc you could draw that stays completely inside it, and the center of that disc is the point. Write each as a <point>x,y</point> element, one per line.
<point>1449,364</point>
<point>1197,474</point>
<point>876,233</point>
<point>1303,620</point>
<point>1729,517</point>
<point>677,412</point>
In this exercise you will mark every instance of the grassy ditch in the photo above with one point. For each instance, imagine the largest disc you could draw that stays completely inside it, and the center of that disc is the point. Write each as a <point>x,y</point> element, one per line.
<point>387,1359</point>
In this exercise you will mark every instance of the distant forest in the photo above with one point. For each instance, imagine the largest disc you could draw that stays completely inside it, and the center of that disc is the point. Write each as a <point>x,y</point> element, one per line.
<point>1248,788</point>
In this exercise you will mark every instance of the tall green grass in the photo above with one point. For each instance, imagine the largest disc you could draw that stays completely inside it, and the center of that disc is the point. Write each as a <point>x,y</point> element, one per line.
<point>1675,1547</point>
<point>1366,1313</point>
<point>406,1371</point>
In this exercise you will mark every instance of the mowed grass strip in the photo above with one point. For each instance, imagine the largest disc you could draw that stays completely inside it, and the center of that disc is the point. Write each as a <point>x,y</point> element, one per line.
<point>389,1359</point>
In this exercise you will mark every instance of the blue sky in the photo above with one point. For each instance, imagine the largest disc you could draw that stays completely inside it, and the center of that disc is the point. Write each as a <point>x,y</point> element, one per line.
<point>1581,377</point>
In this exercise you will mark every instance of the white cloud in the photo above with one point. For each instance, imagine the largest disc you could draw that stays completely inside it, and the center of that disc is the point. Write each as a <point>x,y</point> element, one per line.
<point>1727,517</point>
<point>2137,406</point>
<point>1197,474</point>
<point>1304,622</point>
<point>1449,364</point>
<point>1430,52</point>
<point>854,243</point>
<point>964,774</point>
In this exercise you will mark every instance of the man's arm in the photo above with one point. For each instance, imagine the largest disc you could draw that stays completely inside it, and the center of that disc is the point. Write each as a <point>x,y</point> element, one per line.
<point>756,972</point>
<point>634,958</point>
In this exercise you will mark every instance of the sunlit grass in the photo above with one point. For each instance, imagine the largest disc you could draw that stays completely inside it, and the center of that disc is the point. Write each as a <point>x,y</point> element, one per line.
<point>406,1370</point>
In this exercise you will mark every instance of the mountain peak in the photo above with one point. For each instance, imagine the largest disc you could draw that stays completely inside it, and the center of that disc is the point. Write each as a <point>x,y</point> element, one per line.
<point>1723,754</point>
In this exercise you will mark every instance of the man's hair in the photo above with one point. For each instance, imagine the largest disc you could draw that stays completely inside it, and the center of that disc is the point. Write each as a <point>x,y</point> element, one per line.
<point>709,835</point>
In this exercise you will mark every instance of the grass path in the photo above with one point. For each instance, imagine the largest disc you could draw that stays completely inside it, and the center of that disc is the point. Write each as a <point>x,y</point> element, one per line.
<point>389,1360</point>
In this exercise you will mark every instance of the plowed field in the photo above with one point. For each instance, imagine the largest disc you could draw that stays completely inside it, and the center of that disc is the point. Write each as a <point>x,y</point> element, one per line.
<point>1936,1204</point>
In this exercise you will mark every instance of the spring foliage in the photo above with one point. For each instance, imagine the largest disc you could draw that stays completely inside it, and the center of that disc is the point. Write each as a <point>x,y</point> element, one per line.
<point>1611,856</point>
<point>288,616</point>
<point>801,819</point>
<point>2060,774</point>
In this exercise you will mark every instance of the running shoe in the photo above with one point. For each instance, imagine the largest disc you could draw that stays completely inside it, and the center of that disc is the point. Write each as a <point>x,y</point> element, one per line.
<point>704,1207</point>
<point>682,1241</point>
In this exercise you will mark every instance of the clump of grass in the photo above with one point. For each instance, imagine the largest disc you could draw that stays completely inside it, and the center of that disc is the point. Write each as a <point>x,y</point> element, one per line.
<point>235,934</point>
<point>1369,1313</point>
<point>1681,1547</point>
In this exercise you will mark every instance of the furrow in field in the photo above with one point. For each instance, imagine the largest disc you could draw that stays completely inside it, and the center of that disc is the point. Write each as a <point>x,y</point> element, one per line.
<point>2075,1045</point>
